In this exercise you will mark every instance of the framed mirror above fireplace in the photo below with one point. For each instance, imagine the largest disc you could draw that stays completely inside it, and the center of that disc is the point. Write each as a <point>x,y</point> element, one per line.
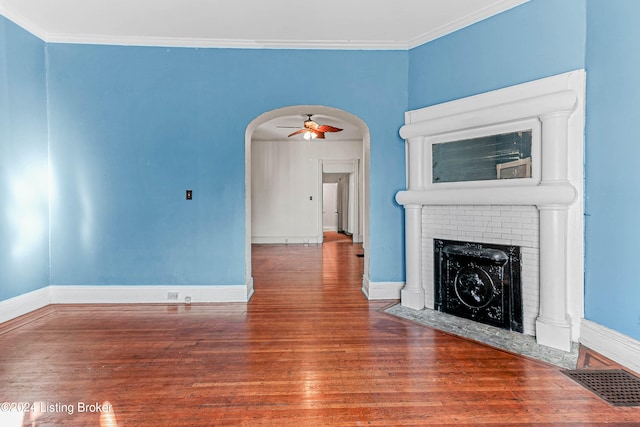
<point>499,155</point>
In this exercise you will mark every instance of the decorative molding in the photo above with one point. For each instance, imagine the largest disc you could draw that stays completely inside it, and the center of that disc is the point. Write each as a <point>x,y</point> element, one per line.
<point>553,194</point>
<point>614,345</point>
<point>498,97</point>
<point>23,22</point>
<point>224,43</point>
<point>23,304</point>
<point>482,111</point>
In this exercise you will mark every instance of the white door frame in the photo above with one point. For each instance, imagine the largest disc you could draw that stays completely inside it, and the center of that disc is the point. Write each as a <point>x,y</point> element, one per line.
<point>352,168</point>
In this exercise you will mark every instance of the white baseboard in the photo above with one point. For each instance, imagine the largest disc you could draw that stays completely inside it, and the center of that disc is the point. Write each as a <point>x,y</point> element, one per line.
<point>26,303</point>
<point>23,304</point>
<point>284,240</point>
<point>149,294</point>
<point>381,290</point>
<point>612,344</point>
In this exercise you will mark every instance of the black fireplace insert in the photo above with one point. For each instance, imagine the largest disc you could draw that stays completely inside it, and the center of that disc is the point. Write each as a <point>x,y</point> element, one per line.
<point>479,281</point>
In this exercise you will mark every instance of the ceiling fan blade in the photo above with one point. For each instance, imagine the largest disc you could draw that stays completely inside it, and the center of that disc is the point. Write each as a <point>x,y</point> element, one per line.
<point>327,128</point>
<point>298,132</point>
<point>319,135</point>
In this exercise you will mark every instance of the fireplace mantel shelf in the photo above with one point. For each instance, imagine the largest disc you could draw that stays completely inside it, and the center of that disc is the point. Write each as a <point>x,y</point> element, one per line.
<point>544,194</point>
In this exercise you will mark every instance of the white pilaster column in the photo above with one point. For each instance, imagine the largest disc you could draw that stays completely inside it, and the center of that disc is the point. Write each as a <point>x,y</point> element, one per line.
<point>553,325</point>
<point>415,163</point>
<point>412,294</point>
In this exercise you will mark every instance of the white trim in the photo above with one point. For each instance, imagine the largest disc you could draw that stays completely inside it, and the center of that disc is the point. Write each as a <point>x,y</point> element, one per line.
<point>26,303</point>
<point>148,294</point>
<point>480,111</point>
<point>23,22</point>
<point>225,43</point>
<point>614,345</point>
<point>381,290</point>
<point>365,286</point>
<point>557,194</point>
<point>571,80</point>
<point>23,304</point>
<point>285,240</point>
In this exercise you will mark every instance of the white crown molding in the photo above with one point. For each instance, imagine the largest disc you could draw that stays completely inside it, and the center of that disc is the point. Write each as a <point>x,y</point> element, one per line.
<point>465,21</point>
<point>224,43</point>
<point>23,22</point>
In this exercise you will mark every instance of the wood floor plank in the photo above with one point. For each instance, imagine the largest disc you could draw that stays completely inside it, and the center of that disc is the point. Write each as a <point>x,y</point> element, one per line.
<point>307,350</point>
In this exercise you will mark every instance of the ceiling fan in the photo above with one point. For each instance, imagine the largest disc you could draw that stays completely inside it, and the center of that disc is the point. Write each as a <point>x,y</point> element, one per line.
<point>312,130</point>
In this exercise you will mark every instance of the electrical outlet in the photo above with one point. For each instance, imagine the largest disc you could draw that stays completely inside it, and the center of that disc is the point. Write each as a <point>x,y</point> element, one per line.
<point>187,300</point>
<point>173,296</point>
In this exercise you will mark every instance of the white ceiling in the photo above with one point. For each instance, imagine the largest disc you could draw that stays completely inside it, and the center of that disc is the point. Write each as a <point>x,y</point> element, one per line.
<point>342,24</point>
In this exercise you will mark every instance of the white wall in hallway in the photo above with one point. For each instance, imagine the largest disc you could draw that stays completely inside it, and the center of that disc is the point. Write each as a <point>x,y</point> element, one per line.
<point>285,183</point>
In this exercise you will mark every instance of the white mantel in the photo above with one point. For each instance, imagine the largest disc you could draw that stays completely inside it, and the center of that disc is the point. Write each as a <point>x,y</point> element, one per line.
<point>554,105</point>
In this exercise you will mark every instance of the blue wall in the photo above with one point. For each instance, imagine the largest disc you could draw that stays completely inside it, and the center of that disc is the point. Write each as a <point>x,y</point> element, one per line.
<point>131,128</point>
<point>612,282</point>
<point>535,40</point>
<point>24,211</point>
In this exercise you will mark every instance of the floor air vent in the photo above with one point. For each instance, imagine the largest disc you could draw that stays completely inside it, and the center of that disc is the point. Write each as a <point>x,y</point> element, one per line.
<point>618,387</point>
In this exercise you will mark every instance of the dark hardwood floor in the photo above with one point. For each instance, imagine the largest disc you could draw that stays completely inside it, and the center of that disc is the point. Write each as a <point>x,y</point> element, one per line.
<point>307,350</point>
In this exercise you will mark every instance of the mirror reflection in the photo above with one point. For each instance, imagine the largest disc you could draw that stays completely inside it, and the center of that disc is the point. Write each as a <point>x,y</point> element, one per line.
<point>502,156</point>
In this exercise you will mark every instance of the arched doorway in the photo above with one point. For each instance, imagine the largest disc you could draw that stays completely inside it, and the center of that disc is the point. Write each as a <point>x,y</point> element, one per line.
<point>362,165</point>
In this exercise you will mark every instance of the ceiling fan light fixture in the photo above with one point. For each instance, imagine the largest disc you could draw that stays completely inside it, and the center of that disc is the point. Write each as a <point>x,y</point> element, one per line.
<point>312,130</point>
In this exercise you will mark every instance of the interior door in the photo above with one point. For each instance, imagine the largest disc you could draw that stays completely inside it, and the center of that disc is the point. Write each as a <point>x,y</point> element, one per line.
<point>330,206</point>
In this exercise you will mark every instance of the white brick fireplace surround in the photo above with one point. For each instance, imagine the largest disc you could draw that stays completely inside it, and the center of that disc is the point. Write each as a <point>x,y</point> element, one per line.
<point>542,214</point>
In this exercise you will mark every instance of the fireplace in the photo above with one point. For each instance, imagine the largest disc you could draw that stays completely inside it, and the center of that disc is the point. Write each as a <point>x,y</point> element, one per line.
<point>479,281</point>
<point>553,264</point>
